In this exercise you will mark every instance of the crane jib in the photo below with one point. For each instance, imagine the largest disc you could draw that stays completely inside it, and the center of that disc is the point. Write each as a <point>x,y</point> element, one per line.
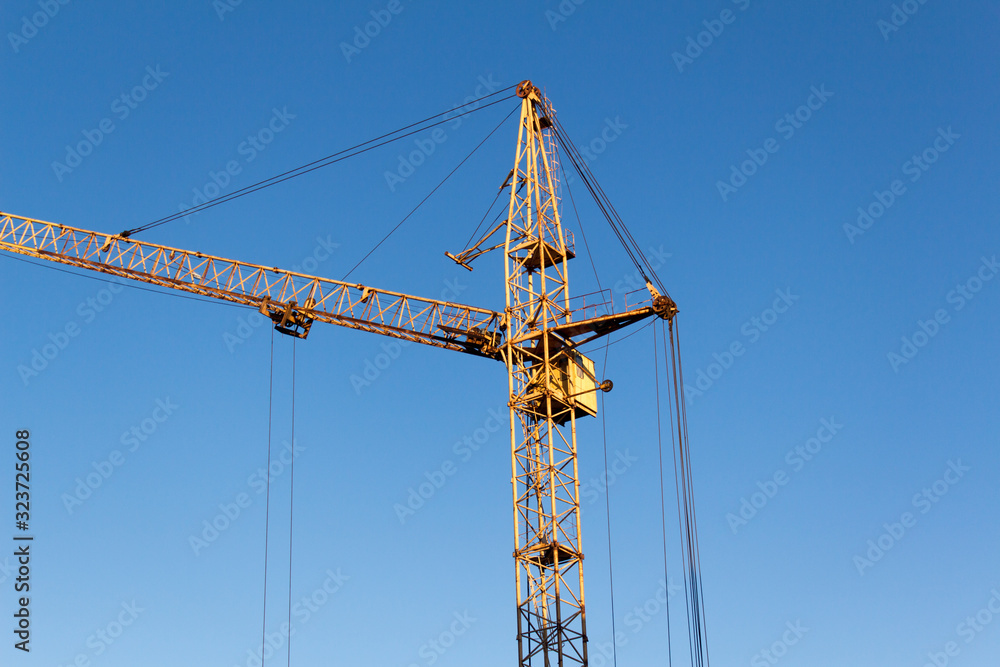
<point>292,300</point>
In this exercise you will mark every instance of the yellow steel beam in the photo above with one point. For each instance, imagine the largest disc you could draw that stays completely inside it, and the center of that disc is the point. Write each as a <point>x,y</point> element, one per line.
<point>276,292</point>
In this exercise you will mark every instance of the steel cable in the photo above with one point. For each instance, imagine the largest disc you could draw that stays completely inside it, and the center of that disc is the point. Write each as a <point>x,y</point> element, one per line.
<point>321,162</point>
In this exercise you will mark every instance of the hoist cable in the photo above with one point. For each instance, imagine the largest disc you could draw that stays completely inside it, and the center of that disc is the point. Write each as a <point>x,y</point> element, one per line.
<point>687,515</point>
<point>291,513</point>
<point>690,525</point>
<point>607,502</point>
<point>694,513</point>
<point>607,208</point>
<point>680,502</point>
<point>495,218</point>
<point>577,160</point>
<point>579,222</point>
<point>607,505</point>
<point>663,504</point>
<point>321,162</point>
<point>267,501</point>
<point>625,232</point>
<point>621,223</point>
<point>485,215</point>
<point>690,540</point>
<point>431,193</point>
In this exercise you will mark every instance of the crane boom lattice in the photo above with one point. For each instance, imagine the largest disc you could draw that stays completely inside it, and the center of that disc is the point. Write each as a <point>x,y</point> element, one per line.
<point>293,300</point>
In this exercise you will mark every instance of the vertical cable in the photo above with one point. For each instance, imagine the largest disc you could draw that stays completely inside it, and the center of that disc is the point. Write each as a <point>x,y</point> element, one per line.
<point>678,483</point>
<point>694,623</point>
<point>663,503</point>
<point>291,507</point>
<point>579,221</point>
<point>698,632</point>
<point>267,502</point>
<point>694,517</point>
<point>690,538</point>
<point>607,505</point>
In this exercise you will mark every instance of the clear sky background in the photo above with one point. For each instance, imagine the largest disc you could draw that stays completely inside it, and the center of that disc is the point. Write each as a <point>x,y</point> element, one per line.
<point>681,118</point>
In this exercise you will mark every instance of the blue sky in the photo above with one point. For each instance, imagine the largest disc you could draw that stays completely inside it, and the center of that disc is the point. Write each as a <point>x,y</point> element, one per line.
<point>737,139</point>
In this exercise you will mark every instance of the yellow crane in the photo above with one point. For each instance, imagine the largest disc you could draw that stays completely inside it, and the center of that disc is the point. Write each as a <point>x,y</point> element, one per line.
<point>550,383</point>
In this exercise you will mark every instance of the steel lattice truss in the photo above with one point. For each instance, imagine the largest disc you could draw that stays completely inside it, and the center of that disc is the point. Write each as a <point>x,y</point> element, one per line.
<point>537,337</point>
<point>292,299</point>
<point>552,626</point>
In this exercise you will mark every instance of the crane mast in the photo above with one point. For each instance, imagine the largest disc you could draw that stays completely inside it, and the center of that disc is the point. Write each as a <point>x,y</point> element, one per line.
<point>550,382</point>
<point>551,614</point>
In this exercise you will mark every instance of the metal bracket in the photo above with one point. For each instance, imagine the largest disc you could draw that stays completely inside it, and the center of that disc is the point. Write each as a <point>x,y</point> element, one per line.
<point>287,318</point>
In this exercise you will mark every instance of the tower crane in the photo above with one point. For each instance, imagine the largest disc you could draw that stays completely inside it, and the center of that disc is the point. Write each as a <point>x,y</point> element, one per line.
<point>537,336</point>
